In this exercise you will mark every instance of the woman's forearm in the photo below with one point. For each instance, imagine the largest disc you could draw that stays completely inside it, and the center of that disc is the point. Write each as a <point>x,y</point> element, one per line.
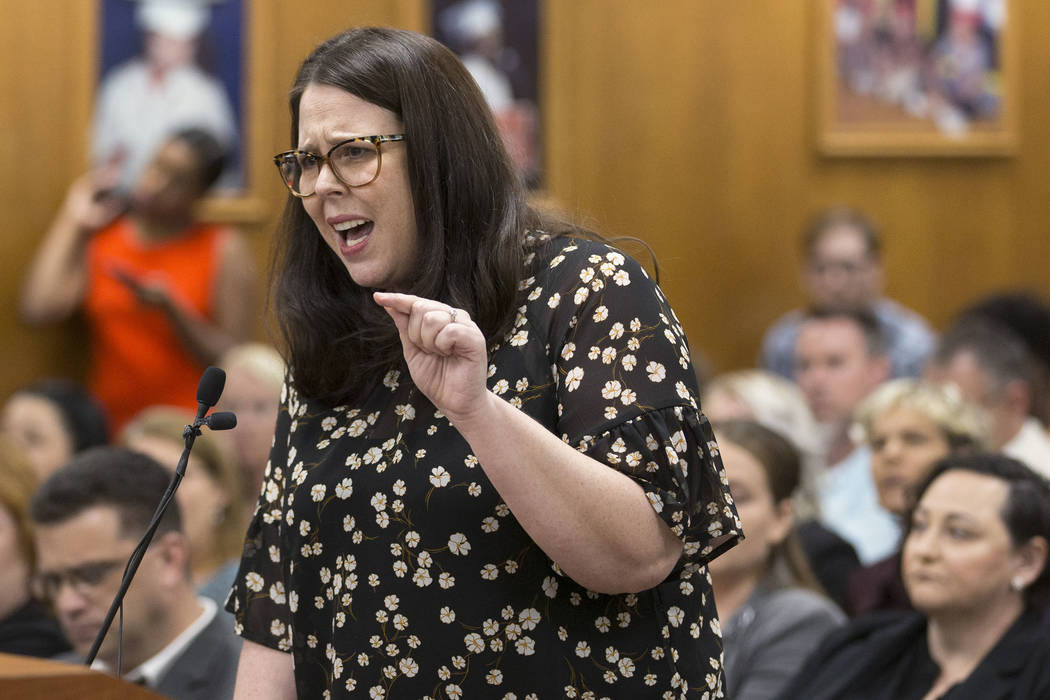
<point>595,522</point>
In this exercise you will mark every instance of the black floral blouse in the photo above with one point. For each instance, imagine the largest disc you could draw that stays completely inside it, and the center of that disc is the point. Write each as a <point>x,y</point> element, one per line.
<point>382,558</point>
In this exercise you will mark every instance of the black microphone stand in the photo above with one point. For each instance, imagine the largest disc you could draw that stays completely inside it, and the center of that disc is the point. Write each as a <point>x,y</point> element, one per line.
<point>222,421</point>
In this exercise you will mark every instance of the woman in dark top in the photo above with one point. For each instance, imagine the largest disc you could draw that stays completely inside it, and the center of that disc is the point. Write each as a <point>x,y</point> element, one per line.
<point>975,567</point>
<point>26,627</point>
<point>490,476</point>
<point>908,425</point>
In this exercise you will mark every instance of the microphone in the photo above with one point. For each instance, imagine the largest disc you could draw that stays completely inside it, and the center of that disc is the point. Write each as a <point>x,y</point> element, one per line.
<point>223,420</point>
<point>209,389</point>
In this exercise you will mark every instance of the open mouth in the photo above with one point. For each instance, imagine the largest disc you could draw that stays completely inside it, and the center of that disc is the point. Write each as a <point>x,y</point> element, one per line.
<point>354,232</point>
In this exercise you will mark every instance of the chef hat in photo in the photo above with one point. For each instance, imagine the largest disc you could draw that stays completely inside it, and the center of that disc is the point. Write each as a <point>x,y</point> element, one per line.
<point>179,19</point>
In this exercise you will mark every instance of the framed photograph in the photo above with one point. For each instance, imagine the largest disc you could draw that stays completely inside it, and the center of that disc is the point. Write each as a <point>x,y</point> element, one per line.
<point>497,40</point>
<point>916,78</point>
<point>167,65</point>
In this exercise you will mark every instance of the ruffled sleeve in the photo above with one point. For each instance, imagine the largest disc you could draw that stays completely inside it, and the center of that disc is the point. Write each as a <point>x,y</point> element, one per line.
<point>260,600</point>
<point>627,391</point>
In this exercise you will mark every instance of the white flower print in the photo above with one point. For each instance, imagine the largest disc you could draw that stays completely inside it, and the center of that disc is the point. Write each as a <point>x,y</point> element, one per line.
<point>474,642</point>
<point>602,624</point>
<point>489,524</point>
<point>633,344</point>
<point>529,618</point>
<point>525,646</point>
<point>573,379</point>
<point>600,314</point>
<point>494,677</point>
<point>629,362</point>
<point>439,477</point>
<point>412,538</point>
<point>581,295</point>
<point>379,501</point>
<point>453,691</point>
<point>621,278</point>
<point>406,411</point>
<point>349,523</point>
<point>520,338</point>
<point>628,397</point>
<point>458,544</point>
<point>554,300</point>
<point>344,489</point>
<point>317,492</point>
<point>490,627</point>
<point>675,615</point>
<point>277,593</point>
<point>489,572</point>
<point>357,428</point>
<point>609,355</point>
<point>447,615</point>
<point>583,650</point>
<point>383,519</point>
<point>656,371</point>
<point>610,412</point>
<point>550,586</point>
<point>611,389</point>
<point>422,578</point>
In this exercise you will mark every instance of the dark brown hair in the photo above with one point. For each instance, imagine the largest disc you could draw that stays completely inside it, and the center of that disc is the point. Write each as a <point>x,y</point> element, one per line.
<point>470,211</point>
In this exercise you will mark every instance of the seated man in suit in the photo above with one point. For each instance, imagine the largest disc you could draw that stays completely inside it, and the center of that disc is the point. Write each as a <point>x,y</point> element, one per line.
<point>89,516</point>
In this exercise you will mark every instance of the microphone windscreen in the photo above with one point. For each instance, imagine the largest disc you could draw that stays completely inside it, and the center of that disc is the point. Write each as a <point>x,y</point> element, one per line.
<point>210,387</point>
<point>223,420</point>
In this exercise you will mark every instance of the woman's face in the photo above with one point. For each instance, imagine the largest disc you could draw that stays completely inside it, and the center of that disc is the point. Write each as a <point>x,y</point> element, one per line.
<point>958,555</point>
<point>171,183</point>
<point>371,229</point>
<point>14,571</point>
<point>202,499</point>
<point>904,444</point>
<point>766,523</point>
<point>35,424</point>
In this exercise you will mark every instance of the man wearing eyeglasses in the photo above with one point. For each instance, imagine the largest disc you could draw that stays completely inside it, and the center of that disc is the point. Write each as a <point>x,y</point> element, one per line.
<point>89,517</point>
<point>842,253</point>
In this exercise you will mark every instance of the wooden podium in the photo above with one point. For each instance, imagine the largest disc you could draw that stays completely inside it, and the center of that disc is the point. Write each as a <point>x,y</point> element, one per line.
<point>29,678</point>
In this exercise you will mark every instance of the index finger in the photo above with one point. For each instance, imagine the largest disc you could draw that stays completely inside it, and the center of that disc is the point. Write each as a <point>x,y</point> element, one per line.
<point>396,301</point>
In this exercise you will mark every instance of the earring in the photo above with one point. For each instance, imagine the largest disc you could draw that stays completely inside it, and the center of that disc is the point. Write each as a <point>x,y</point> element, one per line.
<point>1017,584</point>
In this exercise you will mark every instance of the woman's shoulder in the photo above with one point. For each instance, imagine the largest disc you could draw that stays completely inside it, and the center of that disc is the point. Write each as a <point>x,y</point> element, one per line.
<point>568,254</point>
<point>800,603</point>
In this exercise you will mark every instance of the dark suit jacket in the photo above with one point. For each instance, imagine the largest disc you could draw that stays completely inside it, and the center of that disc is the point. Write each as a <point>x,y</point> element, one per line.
<point>207,668</point>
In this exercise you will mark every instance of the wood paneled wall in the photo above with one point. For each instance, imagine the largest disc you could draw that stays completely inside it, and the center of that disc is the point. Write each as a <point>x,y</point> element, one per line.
<point>688,123</point>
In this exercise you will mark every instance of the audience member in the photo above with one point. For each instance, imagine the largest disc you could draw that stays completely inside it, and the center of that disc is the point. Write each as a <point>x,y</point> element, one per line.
<point>840,359</point>
<point>765,592</point>
<point>992,368</point>
<point>213,514</point>
<point>254,377</point>
<point>1028,316</point>
<point>51,420</point>
<point>974,565</point>
<point>908,425</point>
<point>164,296</point>
<point>89,516</point>
<point>779,405</point>
<point>842,253</point>
<point>26,627</point>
